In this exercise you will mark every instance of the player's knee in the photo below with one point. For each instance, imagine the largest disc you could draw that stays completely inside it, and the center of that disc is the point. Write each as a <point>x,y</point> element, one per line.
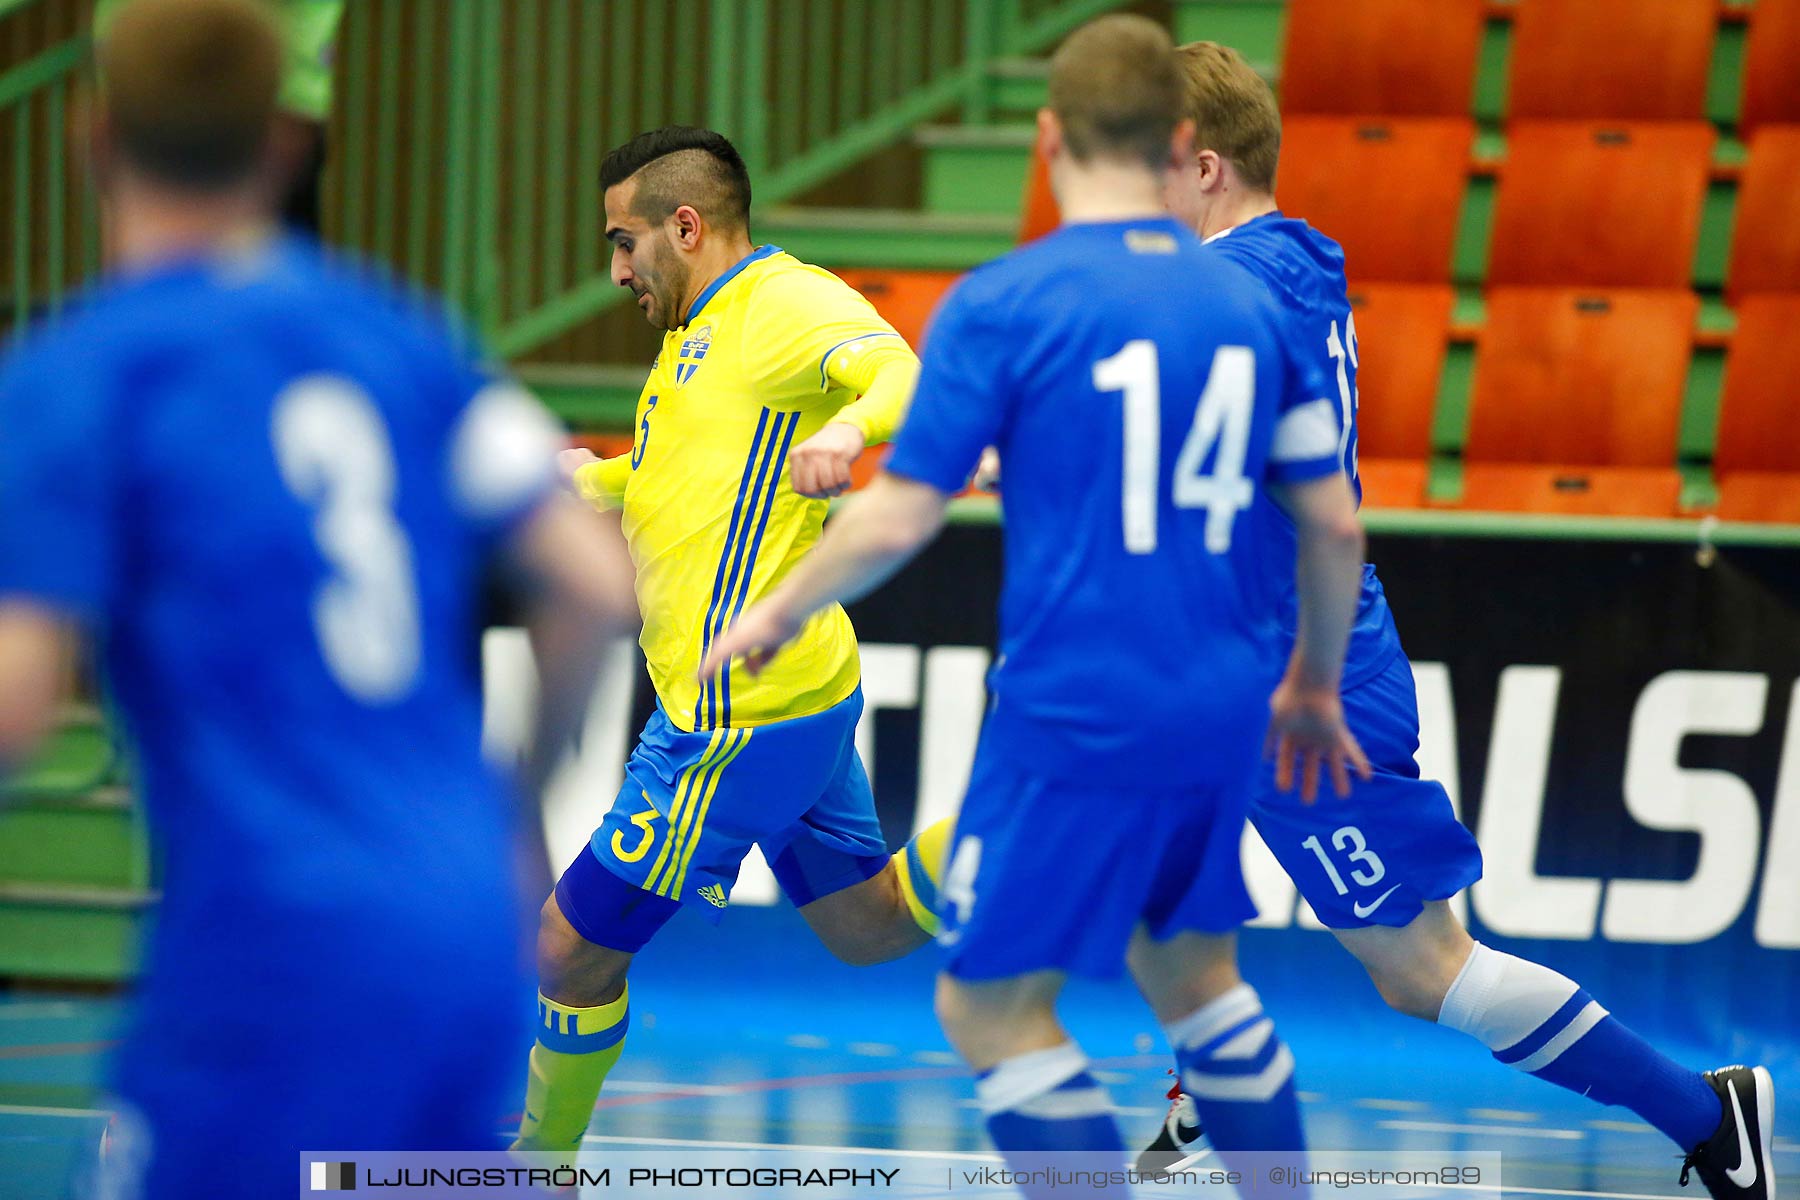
<point>557,942</point>
<point>571,969</point>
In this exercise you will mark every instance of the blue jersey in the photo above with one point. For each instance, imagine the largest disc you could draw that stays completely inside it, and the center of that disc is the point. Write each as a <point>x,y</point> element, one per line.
<point>1140,392</point>
<point>270,488</point>
<point>1304,271</point>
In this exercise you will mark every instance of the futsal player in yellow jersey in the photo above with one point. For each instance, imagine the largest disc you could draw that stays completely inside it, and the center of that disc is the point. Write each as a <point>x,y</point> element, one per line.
<point>773,377</point>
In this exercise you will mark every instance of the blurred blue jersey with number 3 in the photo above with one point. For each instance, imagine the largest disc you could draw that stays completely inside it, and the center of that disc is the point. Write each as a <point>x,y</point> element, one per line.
<point>271,489</point>
<point>1141,392</point>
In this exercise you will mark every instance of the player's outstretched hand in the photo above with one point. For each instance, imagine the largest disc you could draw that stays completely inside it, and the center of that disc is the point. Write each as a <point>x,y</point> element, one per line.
<point>755,637</point>
<point>572,460</point>
<point>1309,723</point>
<point>820,465</point>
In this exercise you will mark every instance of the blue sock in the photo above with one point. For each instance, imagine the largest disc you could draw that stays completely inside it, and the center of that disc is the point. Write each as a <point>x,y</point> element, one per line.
<point>1239,1074</point>
<point>1542,1023</point>
<point>1045,1103</point>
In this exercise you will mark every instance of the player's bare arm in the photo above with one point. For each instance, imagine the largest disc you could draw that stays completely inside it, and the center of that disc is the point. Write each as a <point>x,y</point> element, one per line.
<point>1306,716</point>
<point>877,533</point>
<point>577,576</point>
<point>35,647</point>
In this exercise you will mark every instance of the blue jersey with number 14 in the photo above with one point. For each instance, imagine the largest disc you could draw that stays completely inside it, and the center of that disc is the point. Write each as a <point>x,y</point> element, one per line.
<point>1303,271</point>
<point>1141,391</point>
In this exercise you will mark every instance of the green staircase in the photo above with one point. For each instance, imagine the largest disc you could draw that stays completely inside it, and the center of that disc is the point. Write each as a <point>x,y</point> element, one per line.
<point>75,865</point>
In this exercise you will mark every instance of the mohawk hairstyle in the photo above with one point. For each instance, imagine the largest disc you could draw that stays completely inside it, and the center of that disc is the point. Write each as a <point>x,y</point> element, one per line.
<point>679,165</point>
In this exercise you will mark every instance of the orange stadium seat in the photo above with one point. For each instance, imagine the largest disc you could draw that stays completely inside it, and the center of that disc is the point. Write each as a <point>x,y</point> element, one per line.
<point>1401,332</point>
<point>1758,457</point>
<point>1395,57</point>
<point>1609,491</point>
<point>1600,205</point>
<point>1611,59</point>
<point>1765,241</point>
<point>1565,376</point>
<point>606,445</point>
<point>1392,482</point>
<point>905,299</point>
<point>1399,223</point>
<point>1772,496</point>
<point>1771,79</point>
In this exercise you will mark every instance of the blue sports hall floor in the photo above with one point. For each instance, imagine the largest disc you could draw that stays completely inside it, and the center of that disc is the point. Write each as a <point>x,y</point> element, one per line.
<point>749,1036</point>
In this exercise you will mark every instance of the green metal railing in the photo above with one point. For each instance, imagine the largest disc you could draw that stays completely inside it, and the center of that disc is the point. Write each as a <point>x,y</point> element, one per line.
<point>52,223</point>
<point>467,134</point>
<point>806,88</point>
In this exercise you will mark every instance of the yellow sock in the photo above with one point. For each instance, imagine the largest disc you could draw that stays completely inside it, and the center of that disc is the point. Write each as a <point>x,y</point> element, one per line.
<point>575,1049</point>
<point>921,863</point>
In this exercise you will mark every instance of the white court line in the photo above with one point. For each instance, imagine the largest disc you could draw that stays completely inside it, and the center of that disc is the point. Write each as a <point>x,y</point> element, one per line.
<point>680,1089</point>
<point>868,1151</point>
<point>937,1058</point>
<point>27,1010</point>
<point>1117,1112</point>
<point>32,1110</point>
<point>1392,1105</point>
<point>1561,1135</point>
<point>963,1156</point>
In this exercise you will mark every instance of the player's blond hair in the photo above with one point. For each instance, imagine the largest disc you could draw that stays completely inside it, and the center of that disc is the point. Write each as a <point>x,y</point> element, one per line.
<point>1233,111</point>
<point>1115,88</point>
<point>189,88</point>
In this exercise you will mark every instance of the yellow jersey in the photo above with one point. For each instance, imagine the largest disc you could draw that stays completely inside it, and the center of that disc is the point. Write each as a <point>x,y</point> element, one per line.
<point>771,351</point>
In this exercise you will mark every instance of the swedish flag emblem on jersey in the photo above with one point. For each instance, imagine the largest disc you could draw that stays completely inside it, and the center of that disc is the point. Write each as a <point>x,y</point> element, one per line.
<point>693,350</point>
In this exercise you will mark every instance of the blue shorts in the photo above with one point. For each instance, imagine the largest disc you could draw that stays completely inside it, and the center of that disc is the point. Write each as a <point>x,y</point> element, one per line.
<point>693,804</point>
<point>1049,876</point>
<point>1395,843</point>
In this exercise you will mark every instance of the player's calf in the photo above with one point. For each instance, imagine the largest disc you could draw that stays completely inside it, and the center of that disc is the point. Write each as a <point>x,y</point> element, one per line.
<point>1036,1092</point>
<point>888,915</point>
<point>868,922</point>
<point>1240,1075</point>
<point>589,931</point>
<point>1412,966</point>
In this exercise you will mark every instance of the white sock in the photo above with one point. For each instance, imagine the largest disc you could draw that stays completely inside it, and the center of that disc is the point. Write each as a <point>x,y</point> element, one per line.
<point>1500,999</point>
